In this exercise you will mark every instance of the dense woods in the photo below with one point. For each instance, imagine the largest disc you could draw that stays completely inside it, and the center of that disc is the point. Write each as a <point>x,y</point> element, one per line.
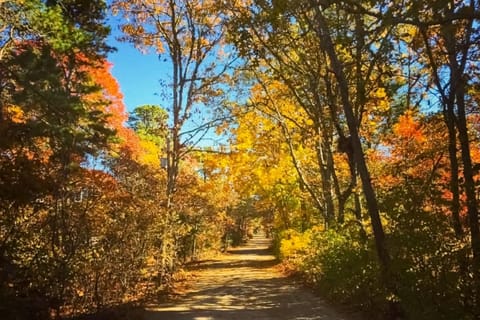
<point>349,132</point>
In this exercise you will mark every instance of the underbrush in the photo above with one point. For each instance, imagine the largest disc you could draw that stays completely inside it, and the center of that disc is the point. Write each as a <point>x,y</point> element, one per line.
<point>430,265</point>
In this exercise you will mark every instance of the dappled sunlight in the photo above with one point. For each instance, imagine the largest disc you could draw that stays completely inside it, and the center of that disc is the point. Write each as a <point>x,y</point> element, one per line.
<point>344,136</point>
<point>244,284</point>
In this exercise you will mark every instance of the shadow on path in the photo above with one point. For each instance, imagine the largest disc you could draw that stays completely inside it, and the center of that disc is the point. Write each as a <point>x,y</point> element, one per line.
<point>244,285</point>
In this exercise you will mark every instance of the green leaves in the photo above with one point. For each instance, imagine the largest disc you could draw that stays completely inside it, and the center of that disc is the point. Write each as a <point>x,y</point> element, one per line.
<point>150,123</point>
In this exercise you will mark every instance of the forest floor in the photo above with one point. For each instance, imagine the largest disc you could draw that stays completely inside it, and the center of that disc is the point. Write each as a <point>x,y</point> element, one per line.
<point>245,283</point>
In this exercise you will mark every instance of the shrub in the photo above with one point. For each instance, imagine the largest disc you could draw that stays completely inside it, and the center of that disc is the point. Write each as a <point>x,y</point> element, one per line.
<point>343,268</point>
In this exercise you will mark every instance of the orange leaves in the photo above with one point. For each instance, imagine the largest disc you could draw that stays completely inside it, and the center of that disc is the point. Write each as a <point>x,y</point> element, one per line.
<point>110,100</point>
<point>408,146</point>
<point>409,128</point>
<point>110,92</point>
<point>13,118</point>
<point>414,160</point>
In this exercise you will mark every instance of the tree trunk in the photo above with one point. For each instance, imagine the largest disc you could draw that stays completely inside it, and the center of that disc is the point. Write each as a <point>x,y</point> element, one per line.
<point>457,62</point>
<point>472,208</point>
<point>326,43</point>
<point>454,185</point>
<point>448,101</point>
<point>326,174</point>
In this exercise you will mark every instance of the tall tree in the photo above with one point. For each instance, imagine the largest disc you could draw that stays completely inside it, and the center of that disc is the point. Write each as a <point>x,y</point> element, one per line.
<point>457,37</point>
<point>45,79</point>
<point>449,34</point>
<point>188,36</point>
<point>150,122</point>
<point>324,33</point>
<point>48,127</point>
<point>318,74</point>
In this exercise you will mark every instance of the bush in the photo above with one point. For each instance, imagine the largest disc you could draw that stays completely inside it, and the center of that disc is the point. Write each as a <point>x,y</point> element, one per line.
<point>431,263</point>
<point>431,267</point>
<point>343,268</point>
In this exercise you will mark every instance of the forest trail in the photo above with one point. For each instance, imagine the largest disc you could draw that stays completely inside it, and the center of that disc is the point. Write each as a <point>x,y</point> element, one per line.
<point>244,284</point>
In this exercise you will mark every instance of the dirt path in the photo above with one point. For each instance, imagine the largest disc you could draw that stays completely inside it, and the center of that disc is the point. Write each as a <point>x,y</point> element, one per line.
<point>245,285</point>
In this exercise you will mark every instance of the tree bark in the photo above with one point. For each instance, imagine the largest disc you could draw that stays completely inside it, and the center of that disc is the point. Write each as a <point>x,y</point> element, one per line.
<point>457,60</point>
<point>326,175</point>
<point>448,101</point>
<point>327,45</point>
<point>472,208</point>
<point>449,119</point>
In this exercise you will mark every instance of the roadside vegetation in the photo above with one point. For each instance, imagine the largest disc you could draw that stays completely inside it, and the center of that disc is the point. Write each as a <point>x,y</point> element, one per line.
<point>348,131</point>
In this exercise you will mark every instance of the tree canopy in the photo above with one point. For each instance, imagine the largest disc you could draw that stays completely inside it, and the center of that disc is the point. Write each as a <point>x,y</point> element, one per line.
<point>350,135</point>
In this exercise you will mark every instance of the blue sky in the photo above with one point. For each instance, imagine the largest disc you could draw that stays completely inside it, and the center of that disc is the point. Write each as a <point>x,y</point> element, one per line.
<point>139,77</point>
<point>138,74</point>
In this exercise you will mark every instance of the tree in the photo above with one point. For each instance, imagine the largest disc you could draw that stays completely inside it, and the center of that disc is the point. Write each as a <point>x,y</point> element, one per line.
<point>54,104</point>
<point>188,35</point>
<point>150,123</point>
<point>323,33</point>
<point>108,100</point>
<point>448,32</point>
<point>49,126</point>
<point>318,78</point>
<point>456,38</point>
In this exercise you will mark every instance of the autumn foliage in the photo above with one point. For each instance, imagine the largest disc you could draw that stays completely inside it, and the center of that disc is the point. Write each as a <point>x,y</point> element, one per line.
<point>349,133</point>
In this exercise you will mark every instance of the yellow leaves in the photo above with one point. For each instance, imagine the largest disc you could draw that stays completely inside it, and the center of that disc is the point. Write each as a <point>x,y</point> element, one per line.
<point>15,114</point>
<point>377,105</point>
<point>131,29</point>
<point>379,100</point>
<point>150,40</point>
<point>80,293</point>
<point>294,243</point>
<point>162,24</point>
<point>380,93</point>
<point>309,122</point>
<point>150,154</point>
<point>407,32</point>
